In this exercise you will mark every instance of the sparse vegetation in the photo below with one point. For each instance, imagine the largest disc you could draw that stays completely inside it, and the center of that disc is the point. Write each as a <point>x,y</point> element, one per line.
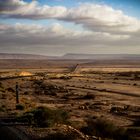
<point>47,88</point>
<point>134,84</point>
<point>2,109</point>
<point>10,90</point>
<point>1,85</point>
<point>118,110</point>
<point>20,107</point>
<point>45,117</point>
<point>137,122</point>
<point>3,96</point>
<point>65,77</point>
<point>86,97</point>
<point>89,96</point>
<point>26,93</point>
<point>60,136</point>
<point>104,128</point>
<point>2,88</point>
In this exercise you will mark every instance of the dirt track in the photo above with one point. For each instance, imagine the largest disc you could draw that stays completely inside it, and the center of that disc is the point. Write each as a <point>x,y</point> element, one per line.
<point>110,91</point>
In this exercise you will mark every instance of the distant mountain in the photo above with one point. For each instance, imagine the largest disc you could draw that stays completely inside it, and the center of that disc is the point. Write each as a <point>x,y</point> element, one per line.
<point>101,56</point>
<point>21,56</point>
<point>71,56</point>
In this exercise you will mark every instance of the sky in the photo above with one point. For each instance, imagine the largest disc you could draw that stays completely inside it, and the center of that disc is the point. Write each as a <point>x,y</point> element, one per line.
<point>58,27</point>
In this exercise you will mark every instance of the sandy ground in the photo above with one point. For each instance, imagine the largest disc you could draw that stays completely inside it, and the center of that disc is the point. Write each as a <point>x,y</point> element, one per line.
<point>108,88</point>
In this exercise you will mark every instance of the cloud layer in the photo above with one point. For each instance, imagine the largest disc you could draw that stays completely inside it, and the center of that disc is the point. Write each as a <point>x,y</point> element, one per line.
<point>102,26</point>
<point>54,35</point>
<point>92,16</point>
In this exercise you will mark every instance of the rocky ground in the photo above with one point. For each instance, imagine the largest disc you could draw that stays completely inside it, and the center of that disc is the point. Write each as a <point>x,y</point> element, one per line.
<point>88,96</point>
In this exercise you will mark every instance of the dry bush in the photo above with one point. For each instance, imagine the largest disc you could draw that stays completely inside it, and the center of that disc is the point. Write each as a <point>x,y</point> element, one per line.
<point>26,93</point>
<point>119,110</point>
<point>137,122</point>
<point>45,117</point>
<point>1,85</point>
<point>10,90</point>
<point>87,96</point>
<point>60,136</point>
<point>48,89</point>
<point>20,107</point>
<point>3,96</point>
<point>104,128</point>
<point>65,77</point>
<point>2,88</point>
<point>134,84</point>
<point>2,109</point>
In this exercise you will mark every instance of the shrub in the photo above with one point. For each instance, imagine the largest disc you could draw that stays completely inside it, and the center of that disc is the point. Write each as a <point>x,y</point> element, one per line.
<point>3,96</point>
<point>116,78</point>
<point>136,122</point>
<point>60,136</point>
<point>2,89</point>
<point>20,107</point>
<point>10,89</point>
<point>65,77</point>
<point>45,117</point>
<point>1,84</point>
<point>2,109</point>
<point>134,84</point>
<point>89,96</point>
<point>116,109</point>
<point>105,129</point>
<point>42,116</point>
<point>26,93</point>
<point>27,117</point>
<point>48,89</point>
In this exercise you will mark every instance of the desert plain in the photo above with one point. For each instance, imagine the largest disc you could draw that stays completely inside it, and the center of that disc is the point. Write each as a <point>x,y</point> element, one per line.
<point>101,99</point>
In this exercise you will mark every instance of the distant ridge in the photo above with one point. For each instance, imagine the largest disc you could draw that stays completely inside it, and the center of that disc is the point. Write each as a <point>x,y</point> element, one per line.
<point>21,56</point>
<point>72,56</point>
<point>101,56</point>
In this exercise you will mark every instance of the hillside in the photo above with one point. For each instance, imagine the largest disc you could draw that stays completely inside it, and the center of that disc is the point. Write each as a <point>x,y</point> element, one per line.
<point>72,56</point>
<point>102,56</point>
<point>21,56</point>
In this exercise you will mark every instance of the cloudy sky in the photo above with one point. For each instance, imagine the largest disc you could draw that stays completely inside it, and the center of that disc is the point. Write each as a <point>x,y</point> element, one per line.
<point>57,27</point>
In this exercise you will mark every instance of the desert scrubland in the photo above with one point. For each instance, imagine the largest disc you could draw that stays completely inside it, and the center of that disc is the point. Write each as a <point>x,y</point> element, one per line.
<point>72,99</point>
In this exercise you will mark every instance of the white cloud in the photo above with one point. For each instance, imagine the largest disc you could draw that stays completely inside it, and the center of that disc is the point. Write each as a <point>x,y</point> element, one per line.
<point>102,18</point>
<point>54,35</point>
<point>95,17</point>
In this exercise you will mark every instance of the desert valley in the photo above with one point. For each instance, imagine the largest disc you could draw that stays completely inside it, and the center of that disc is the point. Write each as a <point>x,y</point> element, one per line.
<point>71,98</point>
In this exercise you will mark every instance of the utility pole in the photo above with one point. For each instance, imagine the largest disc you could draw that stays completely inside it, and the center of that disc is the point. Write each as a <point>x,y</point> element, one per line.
<point>17,93</point>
